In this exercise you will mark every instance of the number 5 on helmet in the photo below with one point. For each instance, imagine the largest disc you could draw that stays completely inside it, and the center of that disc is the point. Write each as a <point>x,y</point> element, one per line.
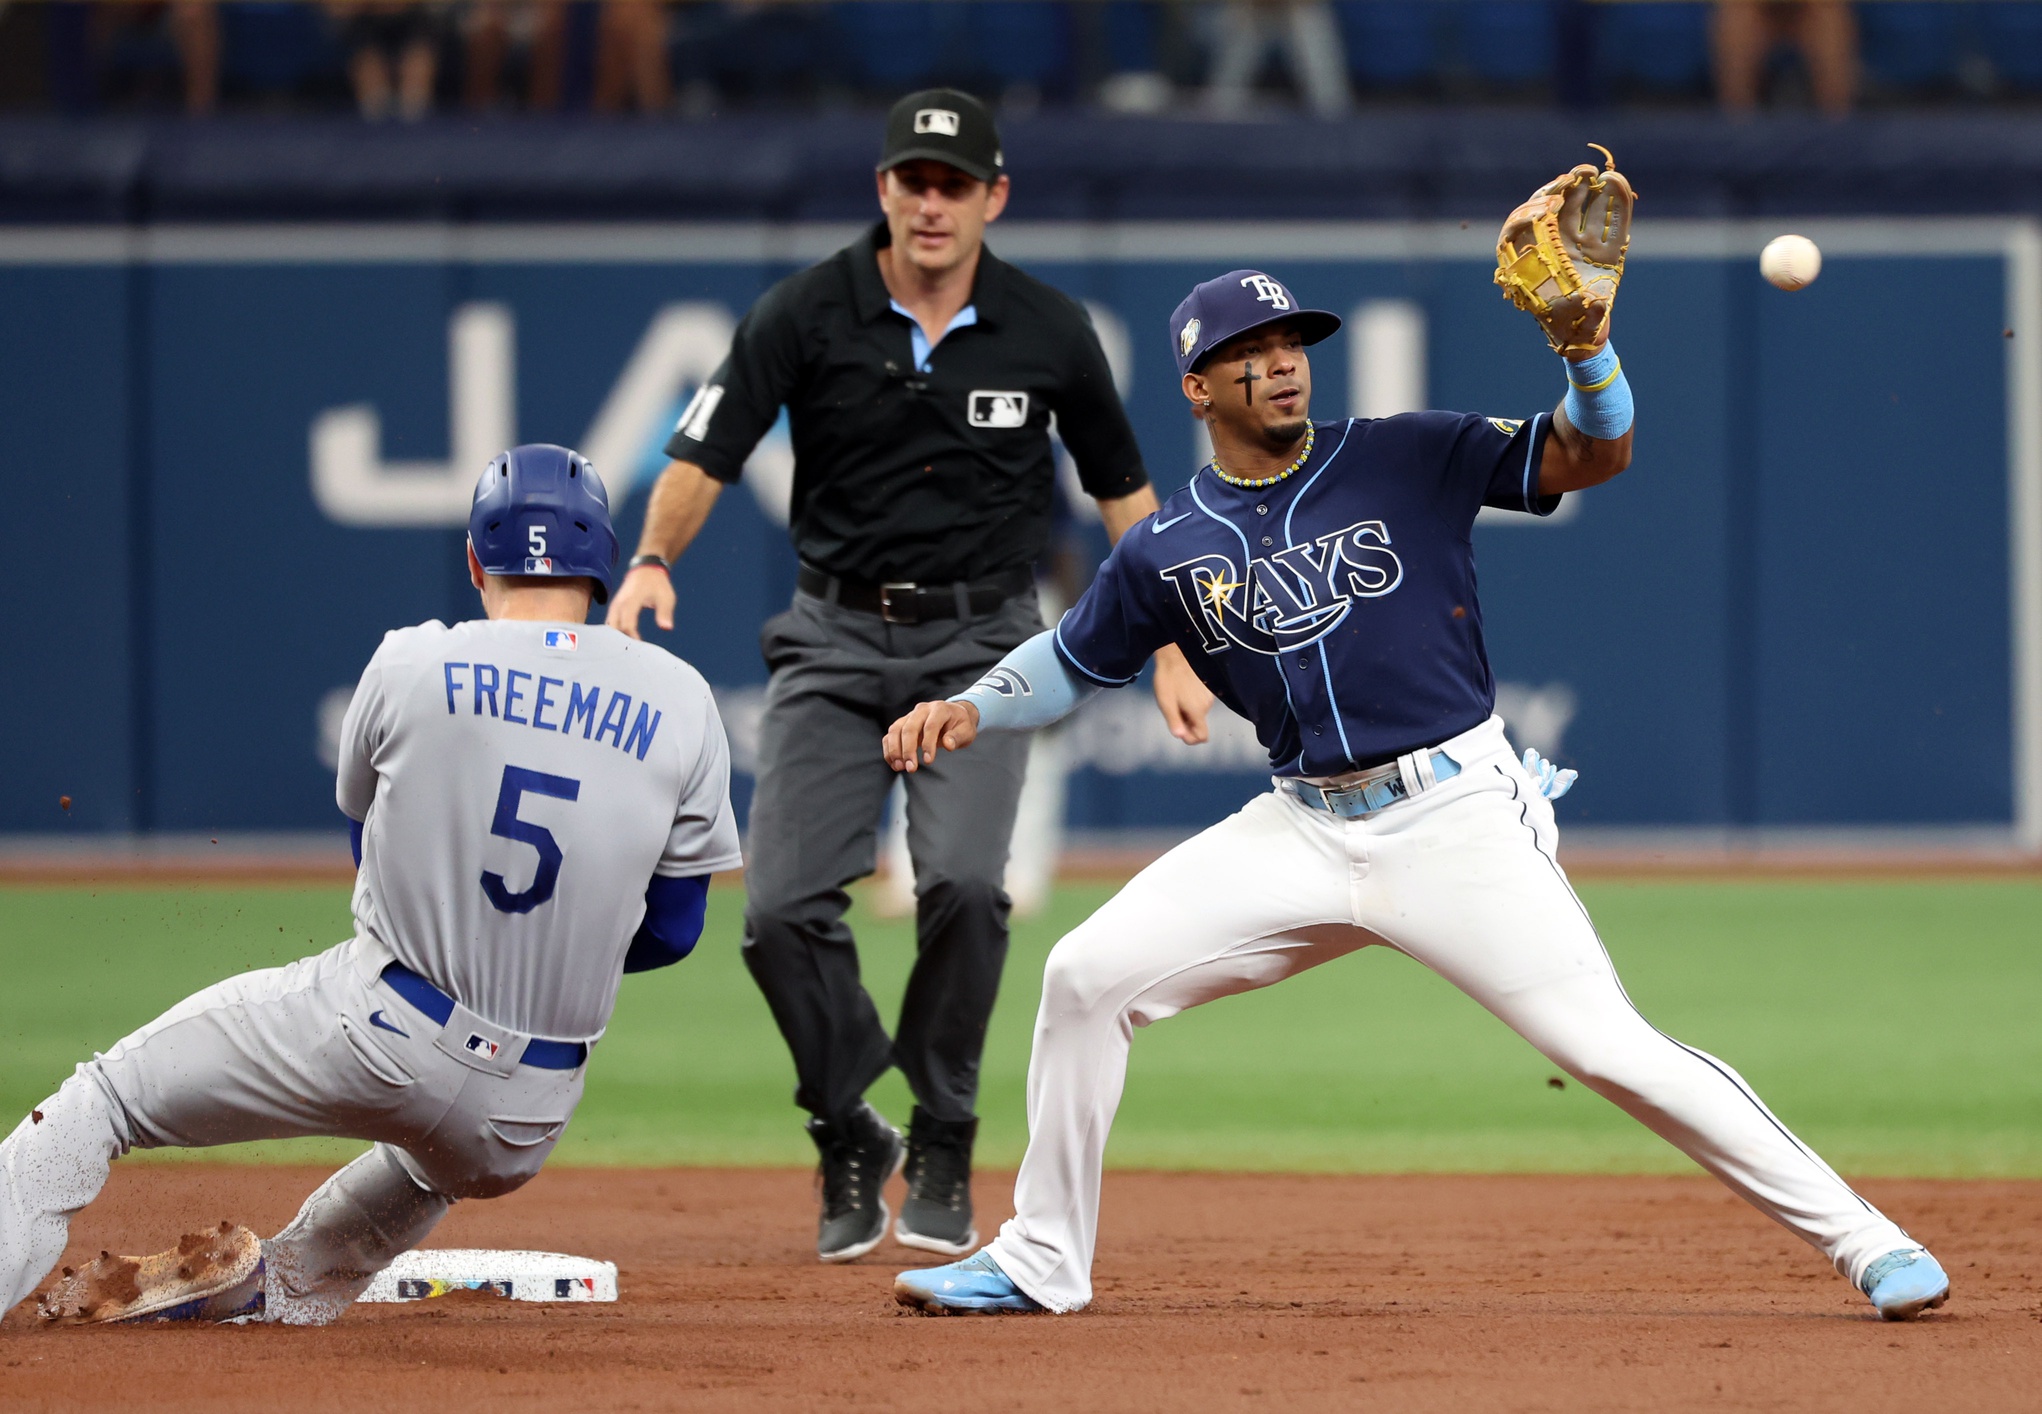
<point>1560,255</point>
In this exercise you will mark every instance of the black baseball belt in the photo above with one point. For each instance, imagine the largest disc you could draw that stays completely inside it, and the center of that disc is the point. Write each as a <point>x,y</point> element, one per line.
<point>910,603</point>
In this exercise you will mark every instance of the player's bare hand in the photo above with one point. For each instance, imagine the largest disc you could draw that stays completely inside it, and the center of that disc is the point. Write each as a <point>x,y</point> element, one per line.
<point>1183,699</point>
<point>912,742</point>
<point>646,587</point>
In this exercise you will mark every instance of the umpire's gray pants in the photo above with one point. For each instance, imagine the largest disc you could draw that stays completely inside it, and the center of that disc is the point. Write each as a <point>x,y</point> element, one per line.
<point>839,679</point>
<point>318,1047</point>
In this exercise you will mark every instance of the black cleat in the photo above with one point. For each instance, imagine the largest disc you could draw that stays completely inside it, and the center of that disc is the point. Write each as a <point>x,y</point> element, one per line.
<point>937,1214</point>
<point>854,1161</point>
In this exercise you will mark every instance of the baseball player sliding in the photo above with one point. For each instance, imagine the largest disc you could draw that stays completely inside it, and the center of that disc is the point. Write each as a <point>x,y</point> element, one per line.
<point>1320,579</point>
<point>536,807</point>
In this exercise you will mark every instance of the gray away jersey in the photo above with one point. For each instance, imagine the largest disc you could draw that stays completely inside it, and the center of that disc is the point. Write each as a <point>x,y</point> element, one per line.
<point>519,785</point>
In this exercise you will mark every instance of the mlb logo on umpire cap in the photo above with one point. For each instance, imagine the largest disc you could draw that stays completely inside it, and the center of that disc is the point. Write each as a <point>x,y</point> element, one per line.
<point>936,120</point>
<point>1230,306</point>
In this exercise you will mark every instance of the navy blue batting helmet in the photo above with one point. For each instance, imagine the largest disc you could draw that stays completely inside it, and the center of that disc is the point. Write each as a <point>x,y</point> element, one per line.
<point>542,510</point>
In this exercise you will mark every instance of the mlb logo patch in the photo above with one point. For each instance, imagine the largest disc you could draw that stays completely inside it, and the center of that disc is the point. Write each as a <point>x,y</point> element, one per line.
<point>565,638</point>
<point>538,564</point>
<point>993,409</point>
<point>481,1046</point>
<point>936,120</point>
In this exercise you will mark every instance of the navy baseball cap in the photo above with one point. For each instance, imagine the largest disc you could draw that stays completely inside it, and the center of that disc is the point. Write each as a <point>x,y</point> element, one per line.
<point>1230,306</point>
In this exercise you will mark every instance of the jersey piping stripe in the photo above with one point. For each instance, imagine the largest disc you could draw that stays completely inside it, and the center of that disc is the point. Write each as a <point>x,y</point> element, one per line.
<point>1248,568</point>
<point>1531,445</point>
<point>1064,651</point>
<point>1703,1056</point>
<point>1325,666</point>
<point>1287,542</point>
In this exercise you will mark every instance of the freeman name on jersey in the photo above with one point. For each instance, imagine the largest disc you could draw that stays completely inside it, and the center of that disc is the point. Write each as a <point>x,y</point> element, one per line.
<point>599,717</point>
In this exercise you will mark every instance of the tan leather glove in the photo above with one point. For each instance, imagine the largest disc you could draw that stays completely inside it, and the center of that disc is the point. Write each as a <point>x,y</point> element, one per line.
<point>1560,256</point>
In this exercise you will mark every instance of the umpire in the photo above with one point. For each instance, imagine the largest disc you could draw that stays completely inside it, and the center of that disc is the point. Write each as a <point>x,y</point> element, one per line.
<point>920,374</point>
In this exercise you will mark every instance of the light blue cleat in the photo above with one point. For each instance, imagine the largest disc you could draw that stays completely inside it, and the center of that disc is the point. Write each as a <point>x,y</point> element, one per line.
<point>1906,1283</point>
<point>974,1287</point>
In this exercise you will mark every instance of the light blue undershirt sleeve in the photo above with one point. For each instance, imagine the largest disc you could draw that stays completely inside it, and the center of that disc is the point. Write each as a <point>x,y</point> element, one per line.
<point>1030,687</point>
<point>919,341</point>
<point>1599,397</point>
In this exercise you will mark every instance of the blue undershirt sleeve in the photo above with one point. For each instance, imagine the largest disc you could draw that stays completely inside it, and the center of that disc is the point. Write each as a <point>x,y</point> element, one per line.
<point>674,909</point>
<point>354,840</point>
<point>1030,687</point>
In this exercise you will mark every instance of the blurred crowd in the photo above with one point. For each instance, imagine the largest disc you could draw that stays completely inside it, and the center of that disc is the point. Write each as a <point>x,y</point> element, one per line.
<point>403,59</point>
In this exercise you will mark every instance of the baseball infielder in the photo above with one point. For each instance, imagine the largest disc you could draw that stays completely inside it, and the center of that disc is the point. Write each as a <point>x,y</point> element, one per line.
<point>1320,578</point>
<point>536,806</point>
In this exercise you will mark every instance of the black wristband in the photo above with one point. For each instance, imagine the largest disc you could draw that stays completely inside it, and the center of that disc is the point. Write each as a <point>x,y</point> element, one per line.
<point>640,561</point>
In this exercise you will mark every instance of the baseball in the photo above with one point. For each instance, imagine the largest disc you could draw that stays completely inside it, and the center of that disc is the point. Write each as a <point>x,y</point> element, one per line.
<point>1789,262</point>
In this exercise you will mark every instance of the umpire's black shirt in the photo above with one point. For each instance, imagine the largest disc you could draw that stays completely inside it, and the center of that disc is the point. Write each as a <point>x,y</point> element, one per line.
<point>904,475</point>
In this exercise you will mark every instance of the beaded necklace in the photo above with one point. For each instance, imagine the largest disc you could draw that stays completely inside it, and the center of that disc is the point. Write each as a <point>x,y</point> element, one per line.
<point>1255,484</point>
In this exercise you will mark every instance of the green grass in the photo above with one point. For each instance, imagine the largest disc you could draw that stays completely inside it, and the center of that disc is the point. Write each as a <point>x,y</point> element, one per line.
<point>1897,1026</point>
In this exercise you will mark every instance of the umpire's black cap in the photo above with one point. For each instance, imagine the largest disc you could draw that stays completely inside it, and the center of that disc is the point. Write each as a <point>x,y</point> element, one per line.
<point>943,125</point>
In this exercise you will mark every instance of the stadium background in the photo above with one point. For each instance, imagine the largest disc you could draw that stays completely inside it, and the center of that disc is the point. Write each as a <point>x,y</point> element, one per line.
<point>253,353</point>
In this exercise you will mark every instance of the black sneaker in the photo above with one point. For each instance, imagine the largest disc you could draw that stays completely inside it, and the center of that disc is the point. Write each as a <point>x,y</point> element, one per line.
<point>937,1214</point>
<point>854,1161</point>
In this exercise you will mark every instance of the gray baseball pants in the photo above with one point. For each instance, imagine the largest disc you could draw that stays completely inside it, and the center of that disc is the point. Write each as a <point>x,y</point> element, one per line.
<point>840,677</point>
<point>318,1047</point>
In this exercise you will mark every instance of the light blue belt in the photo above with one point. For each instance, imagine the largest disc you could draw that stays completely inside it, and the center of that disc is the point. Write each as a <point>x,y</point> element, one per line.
<point>1379,788</point>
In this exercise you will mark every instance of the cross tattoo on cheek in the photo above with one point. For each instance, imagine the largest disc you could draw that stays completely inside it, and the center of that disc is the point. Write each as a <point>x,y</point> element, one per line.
<point>1248,379</point>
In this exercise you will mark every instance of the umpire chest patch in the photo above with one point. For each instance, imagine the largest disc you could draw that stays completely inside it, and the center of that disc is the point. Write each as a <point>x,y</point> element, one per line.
<point>996,409</point>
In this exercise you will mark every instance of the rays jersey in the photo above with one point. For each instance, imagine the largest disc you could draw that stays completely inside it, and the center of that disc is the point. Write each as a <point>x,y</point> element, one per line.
<point>1334,610</point>
<point>518,786</point>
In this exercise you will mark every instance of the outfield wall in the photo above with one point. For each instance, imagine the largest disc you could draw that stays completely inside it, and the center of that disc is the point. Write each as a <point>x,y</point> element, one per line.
<point>241,453</point>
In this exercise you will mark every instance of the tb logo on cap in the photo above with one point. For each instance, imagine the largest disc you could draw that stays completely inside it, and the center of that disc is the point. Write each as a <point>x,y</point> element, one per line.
<point>1267,291</point>
<point>936,120</point>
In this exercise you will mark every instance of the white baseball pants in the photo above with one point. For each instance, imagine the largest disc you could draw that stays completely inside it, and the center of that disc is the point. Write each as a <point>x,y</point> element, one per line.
<point>1463,879</point>
<point>318,1047</point>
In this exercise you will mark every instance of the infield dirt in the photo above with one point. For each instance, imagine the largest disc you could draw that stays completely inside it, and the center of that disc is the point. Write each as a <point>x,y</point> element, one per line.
<point>1214,1292</point>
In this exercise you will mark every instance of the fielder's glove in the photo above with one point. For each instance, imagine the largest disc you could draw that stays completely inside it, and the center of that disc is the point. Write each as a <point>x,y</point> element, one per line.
<point>1561,255</point>
<point>1551,781</point>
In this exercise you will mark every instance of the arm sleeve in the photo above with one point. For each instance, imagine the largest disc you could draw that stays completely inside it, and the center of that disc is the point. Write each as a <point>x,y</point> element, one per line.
<point>1029,688</point>
<point>735,408</point>
<point>674,910</point>
<point>704,834</point>
<point>1114,628</point>
<point>1092,422</point>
